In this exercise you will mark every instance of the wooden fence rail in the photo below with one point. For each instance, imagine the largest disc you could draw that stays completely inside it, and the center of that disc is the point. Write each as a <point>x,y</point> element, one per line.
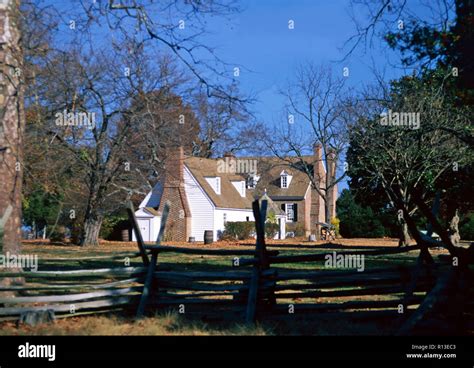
<point>263,285</point>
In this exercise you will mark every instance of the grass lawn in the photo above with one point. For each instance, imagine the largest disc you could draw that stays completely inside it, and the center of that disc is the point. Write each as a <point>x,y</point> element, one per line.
<point>171,323</point>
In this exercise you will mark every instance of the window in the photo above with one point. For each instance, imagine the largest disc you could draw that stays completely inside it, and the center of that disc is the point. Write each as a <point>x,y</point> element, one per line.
<point>291,210</point>
<point>290,214</point>
<point>225,218</point>
<point>239,186</point>
<point>215,183</point>
<point>285,179</point>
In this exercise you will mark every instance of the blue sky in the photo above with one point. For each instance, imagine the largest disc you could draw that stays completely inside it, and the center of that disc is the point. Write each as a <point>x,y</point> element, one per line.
<point>259,40</point>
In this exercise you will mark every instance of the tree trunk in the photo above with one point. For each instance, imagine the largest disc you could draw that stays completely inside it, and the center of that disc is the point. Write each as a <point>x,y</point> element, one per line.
<point>454,229</point>
<point>404,235</point>
<point>11,129</point>
<point>327,211</point>
<point>90,232</point>
<point>93,218</point>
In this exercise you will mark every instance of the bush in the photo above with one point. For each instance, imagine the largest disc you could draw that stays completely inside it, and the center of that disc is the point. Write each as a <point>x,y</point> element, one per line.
<point>112,226</point>
<point>296,228</point>
<point>58,234</point>
<point>271,230</point>
<point>240,230</point>
<point>76,231</point>
<point>336,222</point>
<point>271,217</point>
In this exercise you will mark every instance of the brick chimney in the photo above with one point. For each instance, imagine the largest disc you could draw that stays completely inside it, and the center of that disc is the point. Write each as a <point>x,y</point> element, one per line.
<point>229,154</point>
<point>178,227</point>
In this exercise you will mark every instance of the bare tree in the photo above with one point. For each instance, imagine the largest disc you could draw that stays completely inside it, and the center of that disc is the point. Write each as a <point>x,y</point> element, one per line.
<point>175,25</point>
<point>225,126</point>
<point>98,115</point>
<point>315,116</point>
<point>12,125</point>
<point>383,19</point>
<point>11,130</point>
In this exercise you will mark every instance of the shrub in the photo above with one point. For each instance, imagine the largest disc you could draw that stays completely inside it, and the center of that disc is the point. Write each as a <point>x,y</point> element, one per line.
<point>335,222</point>
<point>76,231</point>
<point>271,217</point>
<point>240,230</point>
<point>112,226</point>
<point>296,228</point>
<point>222,235</point>
<point>58,234</point>
<point>271,230</point>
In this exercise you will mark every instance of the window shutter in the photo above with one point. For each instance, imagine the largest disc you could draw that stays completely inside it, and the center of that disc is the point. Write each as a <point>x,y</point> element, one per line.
<point>295,211</point>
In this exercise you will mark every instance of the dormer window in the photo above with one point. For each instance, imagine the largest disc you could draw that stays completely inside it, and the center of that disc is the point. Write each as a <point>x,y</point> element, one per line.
<point>285,179</point>
<point>215,183</point>
<point>239,187</point>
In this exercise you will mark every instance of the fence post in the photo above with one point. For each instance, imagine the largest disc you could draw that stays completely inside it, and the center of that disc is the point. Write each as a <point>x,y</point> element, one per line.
<point>148,285</point>
<point>138,234</point>
<point>261,263</point>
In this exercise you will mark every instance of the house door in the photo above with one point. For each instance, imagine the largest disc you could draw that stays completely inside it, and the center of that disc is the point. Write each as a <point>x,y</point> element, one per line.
<point>144,225</point>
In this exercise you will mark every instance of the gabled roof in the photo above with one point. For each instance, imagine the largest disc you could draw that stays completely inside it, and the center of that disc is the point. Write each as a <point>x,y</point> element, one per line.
<point>271,206</point>
<point>201,168</point>
<point>270,170</point>
<point>147,212</point>
<point>153,198</point>
<point>152,211</point>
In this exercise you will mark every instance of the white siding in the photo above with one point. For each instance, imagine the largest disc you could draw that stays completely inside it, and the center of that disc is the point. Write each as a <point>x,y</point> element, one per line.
<point>202,209</point>
<point>155,227</point>
<point>231,215</point>
<point>144,226</point>
<point>149,225</point>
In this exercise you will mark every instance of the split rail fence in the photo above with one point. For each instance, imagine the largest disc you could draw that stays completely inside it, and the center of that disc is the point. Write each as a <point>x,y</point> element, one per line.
<point>257,284</point>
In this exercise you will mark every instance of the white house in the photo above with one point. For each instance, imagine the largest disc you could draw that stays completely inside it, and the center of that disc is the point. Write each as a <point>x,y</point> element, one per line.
<point>203,196</point>
<point>149,222</point>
